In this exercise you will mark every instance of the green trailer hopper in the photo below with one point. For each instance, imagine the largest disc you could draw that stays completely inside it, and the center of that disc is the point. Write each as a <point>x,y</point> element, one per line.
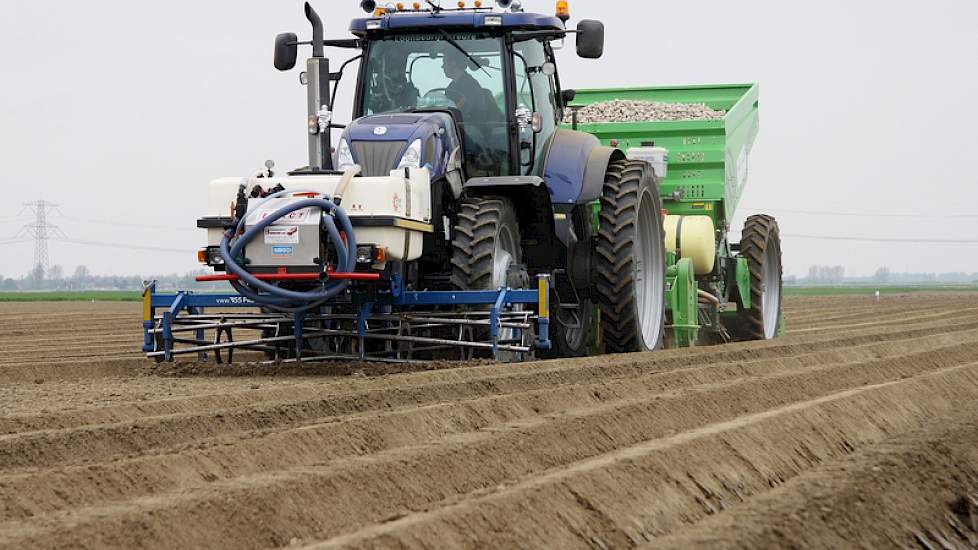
<point>706,174</point>
<point>708,159</point>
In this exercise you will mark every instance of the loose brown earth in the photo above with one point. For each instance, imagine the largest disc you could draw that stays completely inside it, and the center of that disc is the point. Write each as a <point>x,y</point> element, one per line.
<point>858,429</point>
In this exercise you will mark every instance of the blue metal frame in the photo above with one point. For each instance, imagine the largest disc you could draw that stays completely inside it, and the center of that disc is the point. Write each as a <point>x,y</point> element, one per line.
<point>498,300</point>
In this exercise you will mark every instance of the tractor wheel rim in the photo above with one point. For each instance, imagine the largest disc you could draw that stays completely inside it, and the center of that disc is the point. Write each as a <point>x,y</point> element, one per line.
<point>648,272</point>
<point>502,260</point>
<point>574,336</point>
<point>503,257</point>
<point>771,291</point>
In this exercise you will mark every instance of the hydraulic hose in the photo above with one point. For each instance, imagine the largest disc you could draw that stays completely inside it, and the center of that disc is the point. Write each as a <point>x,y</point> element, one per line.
<point>275,297</point>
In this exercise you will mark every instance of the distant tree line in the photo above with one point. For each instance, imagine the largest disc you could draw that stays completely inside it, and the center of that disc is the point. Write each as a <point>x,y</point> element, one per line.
<point>835,275</point>
<point>826,275</point>
<point>83,279</point>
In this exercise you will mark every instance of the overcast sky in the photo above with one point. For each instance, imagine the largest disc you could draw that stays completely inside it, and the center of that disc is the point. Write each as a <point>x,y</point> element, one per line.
<point>122,111</point>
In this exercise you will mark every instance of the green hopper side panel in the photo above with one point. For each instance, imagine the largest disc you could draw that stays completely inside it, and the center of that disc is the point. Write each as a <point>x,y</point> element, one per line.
<point>707,158</point>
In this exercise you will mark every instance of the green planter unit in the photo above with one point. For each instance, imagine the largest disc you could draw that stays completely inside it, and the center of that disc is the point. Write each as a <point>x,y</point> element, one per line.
<point>708,164</point>
<point>708,159</point>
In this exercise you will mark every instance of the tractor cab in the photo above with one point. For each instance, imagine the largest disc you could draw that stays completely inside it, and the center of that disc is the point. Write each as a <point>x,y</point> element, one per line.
<point>491,75</point>
<point>466,92</point>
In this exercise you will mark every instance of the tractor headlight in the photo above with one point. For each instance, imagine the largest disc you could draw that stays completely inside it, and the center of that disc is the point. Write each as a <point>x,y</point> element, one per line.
<point>344,157</point>
<point>412,157</point>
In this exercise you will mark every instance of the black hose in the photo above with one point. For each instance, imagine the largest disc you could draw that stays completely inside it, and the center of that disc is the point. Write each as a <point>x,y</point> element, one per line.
<point>279,298</point>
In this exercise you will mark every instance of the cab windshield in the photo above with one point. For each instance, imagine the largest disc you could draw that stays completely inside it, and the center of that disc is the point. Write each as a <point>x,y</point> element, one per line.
<point>460,71</point>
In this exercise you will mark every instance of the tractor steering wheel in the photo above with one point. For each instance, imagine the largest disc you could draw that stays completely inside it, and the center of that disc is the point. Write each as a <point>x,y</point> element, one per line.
<point>436,97</point>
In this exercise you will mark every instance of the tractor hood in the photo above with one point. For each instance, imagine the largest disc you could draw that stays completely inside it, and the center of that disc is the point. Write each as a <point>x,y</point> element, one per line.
<point>393,127</point>
<point>379,141</point>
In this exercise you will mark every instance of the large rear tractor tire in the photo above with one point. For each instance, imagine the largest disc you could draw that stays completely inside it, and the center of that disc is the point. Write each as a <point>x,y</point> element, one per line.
<point>487,253</point>
<point>630,259</point>
<point>760,243</point>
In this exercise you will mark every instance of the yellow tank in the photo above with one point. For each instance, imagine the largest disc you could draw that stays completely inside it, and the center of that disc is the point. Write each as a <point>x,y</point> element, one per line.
<point>697,241</point>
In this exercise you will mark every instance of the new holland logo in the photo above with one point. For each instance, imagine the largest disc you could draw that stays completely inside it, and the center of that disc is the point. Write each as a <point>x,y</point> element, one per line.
<point>380,130</point>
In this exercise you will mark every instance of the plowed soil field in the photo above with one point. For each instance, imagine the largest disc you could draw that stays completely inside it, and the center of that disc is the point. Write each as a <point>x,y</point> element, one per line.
<point>858,429</point>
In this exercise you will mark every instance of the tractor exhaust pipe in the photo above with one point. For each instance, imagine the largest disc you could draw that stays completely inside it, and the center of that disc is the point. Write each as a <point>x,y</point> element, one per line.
<point>317,31</point>
<point>317,98</point>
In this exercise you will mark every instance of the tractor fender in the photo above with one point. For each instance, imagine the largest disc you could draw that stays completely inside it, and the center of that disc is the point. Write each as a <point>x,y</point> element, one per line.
<point>574,166</point>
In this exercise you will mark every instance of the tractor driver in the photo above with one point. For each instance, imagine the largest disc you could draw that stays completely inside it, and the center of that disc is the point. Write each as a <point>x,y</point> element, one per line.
<point>483,121</point>
<point>394,92</point>
<point>475,102</point>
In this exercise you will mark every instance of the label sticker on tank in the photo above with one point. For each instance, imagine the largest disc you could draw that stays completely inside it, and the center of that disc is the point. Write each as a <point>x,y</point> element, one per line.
<point>282,234</point>
<point>282,250</point>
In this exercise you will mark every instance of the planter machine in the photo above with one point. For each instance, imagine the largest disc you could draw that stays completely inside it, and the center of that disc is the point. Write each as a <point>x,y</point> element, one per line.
<point>457,216</point>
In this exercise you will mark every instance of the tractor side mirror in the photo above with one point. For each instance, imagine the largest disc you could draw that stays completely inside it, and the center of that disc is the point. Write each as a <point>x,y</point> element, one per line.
<point>590,39</point>
<point>567,96</point>
<point>286,49</point>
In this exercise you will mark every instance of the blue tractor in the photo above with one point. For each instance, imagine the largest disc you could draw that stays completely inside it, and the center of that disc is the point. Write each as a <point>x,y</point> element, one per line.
<point>454,180</point>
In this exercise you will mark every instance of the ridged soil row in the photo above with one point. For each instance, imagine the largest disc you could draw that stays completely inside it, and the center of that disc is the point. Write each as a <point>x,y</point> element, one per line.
<point>882,317</point>
<point>16,326</point>
<point>636,494</point>
<point>249,453</point>
<point>918,489</point>
<point>202,419</point>
<point>448,383</point>
<point>841,312</point>
<point>801,311</point>
<point>470,465</point>
<point>84,369</point>
<point>895,318</point>
<point>894,321</point>
<point>879,329</point>
<point>87,351</point>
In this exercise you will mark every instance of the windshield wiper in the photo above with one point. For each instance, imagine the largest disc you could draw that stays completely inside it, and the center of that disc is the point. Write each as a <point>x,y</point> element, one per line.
<point>458,47</point>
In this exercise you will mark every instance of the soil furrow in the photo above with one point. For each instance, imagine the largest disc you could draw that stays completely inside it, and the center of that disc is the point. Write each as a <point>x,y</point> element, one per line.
<point>254,452</point>
<point>417,477</point>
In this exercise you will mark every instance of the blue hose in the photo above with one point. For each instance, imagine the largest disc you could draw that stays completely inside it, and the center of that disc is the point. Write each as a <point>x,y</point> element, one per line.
<point>276,297</point>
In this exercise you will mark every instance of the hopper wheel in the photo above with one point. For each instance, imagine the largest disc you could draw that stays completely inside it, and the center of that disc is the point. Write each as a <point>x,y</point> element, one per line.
<point>487,253</point>
<point>630,259</point>
<point>760,243</point>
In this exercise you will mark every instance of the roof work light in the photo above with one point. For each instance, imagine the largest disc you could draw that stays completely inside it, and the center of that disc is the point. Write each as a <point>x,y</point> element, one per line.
<point>563,10</point>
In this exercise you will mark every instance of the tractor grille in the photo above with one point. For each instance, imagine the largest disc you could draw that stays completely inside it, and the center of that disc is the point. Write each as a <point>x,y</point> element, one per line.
<point>377,158</point>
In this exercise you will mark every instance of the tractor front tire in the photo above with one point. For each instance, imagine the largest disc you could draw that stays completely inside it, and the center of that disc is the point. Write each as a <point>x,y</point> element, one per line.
<point>760,243</point>
<point>487,252</point>
<point>630,259</point>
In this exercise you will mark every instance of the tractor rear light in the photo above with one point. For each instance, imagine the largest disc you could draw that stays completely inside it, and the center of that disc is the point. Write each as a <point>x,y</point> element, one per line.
<point>365,254</point>
<point>210,256</point>
<point>370,254</point>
